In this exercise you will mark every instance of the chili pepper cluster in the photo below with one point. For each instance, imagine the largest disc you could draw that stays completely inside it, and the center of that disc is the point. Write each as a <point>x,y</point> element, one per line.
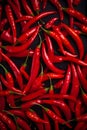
<point>43,65</point>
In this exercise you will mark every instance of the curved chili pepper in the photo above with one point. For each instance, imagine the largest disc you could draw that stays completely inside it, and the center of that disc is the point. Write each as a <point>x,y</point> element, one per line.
<point>11,21</point>
<point>2,100</point>
<point>34,69</point>
<point>65,41</point>
<point>6,36</point>
<point>26,35</point>
<point>56,59</point>
<point>15,70</point>
<point>22,123</point>
<point>76,38</point>
<point>75,86</point>
<point>36,18</point>
<point>2,126</point>
<point>17,49</point>
<point>23,67</point>
<point>66,82</point>
<point>56,37</point>
<point>50,48</point>
<point>48,63</point>
<point>18,113</point>
<point>31,114</point>
<point>11,100</point>
<point>46,126</point>
<point>82,79</point>
<point>76,14</point>
<point>16,11</point>
<point>59,8</point>
<point>7,121</point>
<point>21,54</point>
<point>53,116</point>
<point>84,69</point>
<point>51,22</point>
<point>8,75</point>
<point>7,92</point>
<point>81,26</point>
<point>84,96</point>
<point>34,94</point>
<point>23,18</point>
<point>36,5</point>
<point>27,8</point>
<point>58,84</point>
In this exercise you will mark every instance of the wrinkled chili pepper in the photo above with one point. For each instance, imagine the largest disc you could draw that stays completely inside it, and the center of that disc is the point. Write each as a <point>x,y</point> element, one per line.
<point>36,18</point>
<point>8,121</point>
<point>14,69</point>
<point>23,18</point>
<point>11,21</point>
<point>48,63</point>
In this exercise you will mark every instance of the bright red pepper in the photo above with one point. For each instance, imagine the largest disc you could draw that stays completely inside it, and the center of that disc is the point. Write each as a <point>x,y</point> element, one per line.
<point>2,126</point>
<point>36,5</point>
<point>2,99</point>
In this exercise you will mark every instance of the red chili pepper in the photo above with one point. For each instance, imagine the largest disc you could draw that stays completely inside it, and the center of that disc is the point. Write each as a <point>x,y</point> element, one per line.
<point>11,100</point>
<point>76,14</point>
<point>11,21</point>
<point>84,69</point>
<point>56,59</point>
<point>84,96</point>
<point>53,116</point>
<point>59,8</point>
<point>7,85</point>
<point>17,4</point>
<point>14,69</point>
<point>56,37</point>
<point>81,26</point>
<point>36,18</point>
<point>23,67</point>
<point>2,100</point>
<point>21,54</point>
<point>27,8</point>
<point>6,36</point>
<point>65,41</point>
<point>77,39</point>
<point>36,5</point>
<point>59,96</point>
<point>59,84</point>
<point>18,113</point>
<point>16,11</point>
<point>26,35</point>
<point>50,48</point>
<point>46,126</point>
<point>34,94</point>
<point>75,86</point>
<point>0,50</point>
<point>2,126</point>
<point>70,5</point>
<point>66,82</point>
<point>22,123</point>
<point>76,2</point>
<point>8,121</point>
<point>51,22</point>
<point>44,4</point>
<point>8,75</point>
<point>7,92</point>
<point>48,63</point>
<point>82,79</point>
<point>17,49</point>
<point>31,114</point>
<point>40,126</point>
<point>61,105</point>
<point>2,24</point>
<point>23,18</point>
<point>78,108</point>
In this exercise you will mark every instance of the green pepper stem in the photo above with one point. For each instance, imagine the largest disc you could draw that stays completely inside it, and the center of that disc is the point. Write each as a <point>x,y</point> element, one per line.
<point>6,71</point>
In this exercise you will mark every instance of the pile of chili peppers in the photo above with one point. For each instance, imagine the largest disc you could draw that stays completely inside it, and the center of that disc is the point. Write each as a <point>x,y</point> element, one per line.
<point>43,65</point>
